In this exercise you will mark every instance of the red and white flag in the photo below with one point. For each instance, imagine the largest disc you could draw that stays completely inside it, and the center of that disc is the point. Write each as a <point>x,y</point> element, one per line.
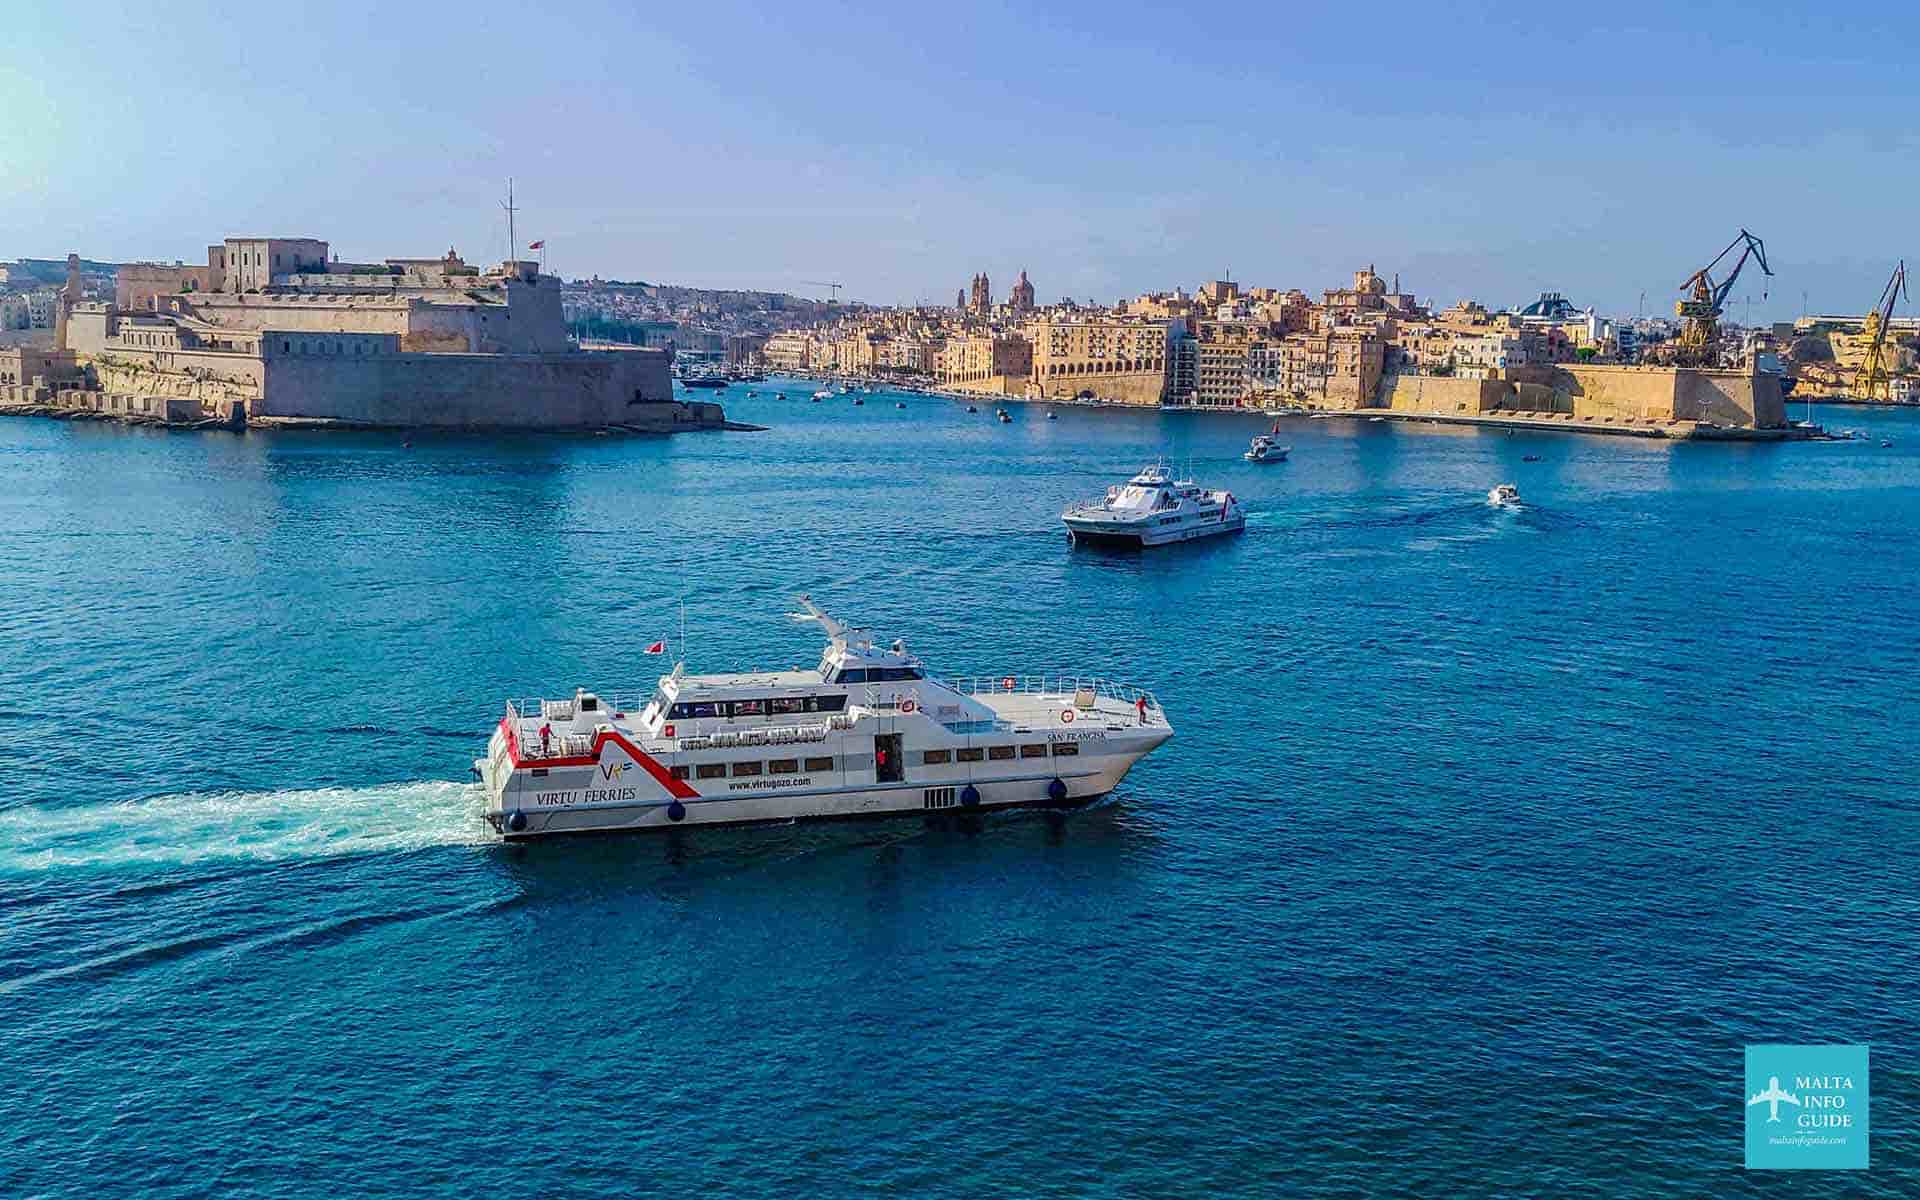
<point>659,647</point>
<point>539,245</point>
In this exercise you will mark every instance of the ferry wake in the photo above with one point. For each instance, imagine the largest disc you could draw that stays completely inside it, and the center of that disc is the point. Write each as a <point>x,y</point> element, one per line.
<point>866,733</point>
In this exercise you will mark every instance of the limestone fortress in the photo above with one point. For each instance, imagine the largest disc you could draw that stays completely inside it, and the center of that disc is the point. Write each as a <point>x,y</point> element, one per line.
<point>272,332</point>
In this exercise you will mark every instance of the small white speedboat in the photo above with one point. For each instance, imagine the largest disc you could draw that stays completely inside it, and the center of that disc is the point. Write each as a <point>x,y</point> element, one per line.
<point>818,396</point>
<point>1503,495</point>
<point>1262,449</point>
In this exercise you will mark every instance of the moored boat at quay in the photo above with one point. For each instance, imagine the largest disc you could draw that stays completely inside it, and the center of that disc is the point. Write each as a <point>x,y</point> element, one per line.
<point>866,733</point>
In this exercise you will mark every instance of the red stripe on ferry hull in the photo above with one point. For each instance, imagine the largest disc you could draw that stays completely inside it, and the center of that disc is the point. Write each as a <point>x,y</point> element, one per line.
<point>677,788</point>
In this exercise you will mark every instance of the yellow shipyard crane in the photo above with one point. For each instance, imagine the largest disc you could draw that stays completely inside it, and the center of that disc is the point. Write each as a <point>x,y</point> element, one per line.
<point>1700,312</point>
<point>1872,382</point>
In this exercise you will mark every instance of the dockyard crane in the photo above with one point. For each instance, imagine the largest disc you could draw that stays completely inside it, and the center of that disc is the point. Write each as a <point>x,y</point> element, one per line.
<point>823,283</point>
<point>1700,311</point>
<point>1873,380</point>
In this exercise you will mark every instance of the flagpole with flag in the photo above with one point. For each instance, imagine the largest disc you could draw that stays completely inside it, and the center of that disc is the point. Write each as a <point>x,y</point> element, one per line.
<point>541,246</point>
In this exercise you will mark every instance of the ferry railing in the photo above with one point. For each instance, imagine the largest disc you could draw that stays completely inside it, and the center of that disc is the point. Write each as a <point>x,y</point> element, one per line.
<point>1061,687</point>
<point>612,704</point>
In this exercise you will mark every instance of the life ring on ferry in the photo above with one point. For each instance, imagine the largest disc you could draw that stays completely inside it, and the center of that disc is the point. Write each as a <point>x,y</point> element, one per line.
<point>1007,683</point>
<point>676,811</point>
<point>907,705</point>
<point>1066,716</point>
<point>970,797</point>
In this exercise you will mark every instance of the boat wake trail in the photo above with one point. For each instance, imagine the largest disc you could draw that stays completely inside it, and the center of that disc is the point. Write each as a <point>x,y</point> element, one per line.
<point>202,827</point>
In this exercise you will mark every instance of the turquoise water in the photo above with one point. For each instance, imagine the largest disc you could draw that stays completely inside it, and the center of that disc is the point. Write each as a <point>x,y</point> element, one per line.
<point>1488,840</point>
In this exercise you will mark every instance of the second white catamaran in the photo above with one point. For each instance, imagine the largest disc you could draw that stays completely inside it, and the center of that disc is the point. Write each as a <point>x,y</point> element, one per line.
<point>866,733</point>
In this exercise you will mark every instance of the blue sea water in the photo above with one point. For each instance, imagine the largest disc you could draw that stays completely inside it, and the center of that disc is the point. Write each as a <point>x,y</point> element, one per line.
<point>1488,840</point>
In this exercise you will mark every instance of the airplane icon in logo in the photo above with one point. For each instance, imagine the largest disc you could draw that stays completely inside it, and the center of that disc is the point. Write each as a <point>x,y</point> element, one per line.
<point>1772,1098</point>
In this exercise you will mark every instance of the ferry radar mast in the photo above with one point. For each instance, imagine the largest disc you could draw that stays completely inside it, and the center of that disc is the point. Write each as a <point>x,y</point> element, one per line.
<point>836,632</point>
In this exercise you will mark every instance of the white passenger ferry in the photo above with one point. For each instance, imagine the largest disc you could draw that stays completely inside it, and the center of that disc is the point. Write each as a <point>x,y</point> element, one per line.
<point>1152,509</point>
<point>866,733</point>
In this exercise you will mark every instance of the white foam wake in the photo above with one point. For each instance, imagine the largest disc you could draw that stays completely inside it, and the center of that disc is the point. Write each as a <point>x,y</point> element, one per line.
<point>261,826</point>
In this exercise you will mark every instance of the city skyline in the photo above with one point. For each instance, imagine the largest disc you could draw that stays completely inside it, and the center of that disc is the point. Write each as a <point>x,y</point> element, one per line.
<point>1106,151</point>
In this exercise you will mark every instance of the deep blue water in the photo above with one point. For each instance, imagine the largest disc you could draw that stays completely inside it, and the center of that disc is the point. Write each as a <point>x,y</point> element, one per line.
<point>1488,840</point>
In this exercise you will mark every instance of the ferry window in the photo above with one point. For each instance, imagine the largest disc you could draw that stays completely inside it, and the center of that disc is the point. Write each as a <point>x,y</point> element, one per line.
<point>787,704</point>
<point>680,772</point>
<point>1033,751</point>
<point>539,772</point>
<point>934,757</point>
<point>828,704</point>
<point>820,764</point>
<point>746,768</point>
<point>1065,749</point>
<point>999,752</point>
<point>710,771</point>
<point>697,710</point>
<point>857,675</point>
<point>749,708</point>
<point>970,754</point>
<point>784,766</point>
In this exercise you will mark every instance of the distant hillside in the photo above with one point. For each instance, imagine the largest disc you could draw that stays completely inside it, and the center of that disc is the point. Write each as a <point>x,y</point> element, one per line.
<point>53,270</point>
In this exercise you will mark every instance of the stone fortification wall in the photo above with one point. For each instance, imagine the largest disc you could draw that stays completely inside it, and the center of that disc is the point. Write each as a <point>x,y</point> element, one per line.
<point>993,385</point>
<point>1619,395</point>
<point>1121,387</point>
<point>1439,394</point>
<point>1727,398</point>
<point>214,378</point>
<point>555,391</point>
<point>299,314</point>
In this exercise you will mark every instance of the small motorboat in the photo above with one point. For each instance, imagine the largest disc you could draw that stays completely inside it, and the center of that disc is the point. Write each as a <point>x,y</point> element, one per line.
<point>1529,458</point>
<point>1053,416</point>
<point>899,403</point>
<point>972,408</point>
<point>1886,443</point>
<point>1503,495</point>
<point>1375,420</point>
<point>858,400</point>
<point>1262,450</point>
<point>819,396</point>
<point>1006,418</point>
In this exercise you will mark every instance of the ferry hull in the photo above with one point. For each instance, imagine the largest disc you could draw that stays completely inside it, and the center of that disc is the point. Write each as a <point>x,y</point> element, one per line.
<point>1118,534</point>
<point>911,798</point>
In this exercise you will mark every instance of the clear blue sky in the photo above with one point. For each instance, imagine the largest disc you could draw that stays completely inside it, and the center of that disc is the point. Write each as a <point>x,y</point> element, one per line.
<point>1599,150</point>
